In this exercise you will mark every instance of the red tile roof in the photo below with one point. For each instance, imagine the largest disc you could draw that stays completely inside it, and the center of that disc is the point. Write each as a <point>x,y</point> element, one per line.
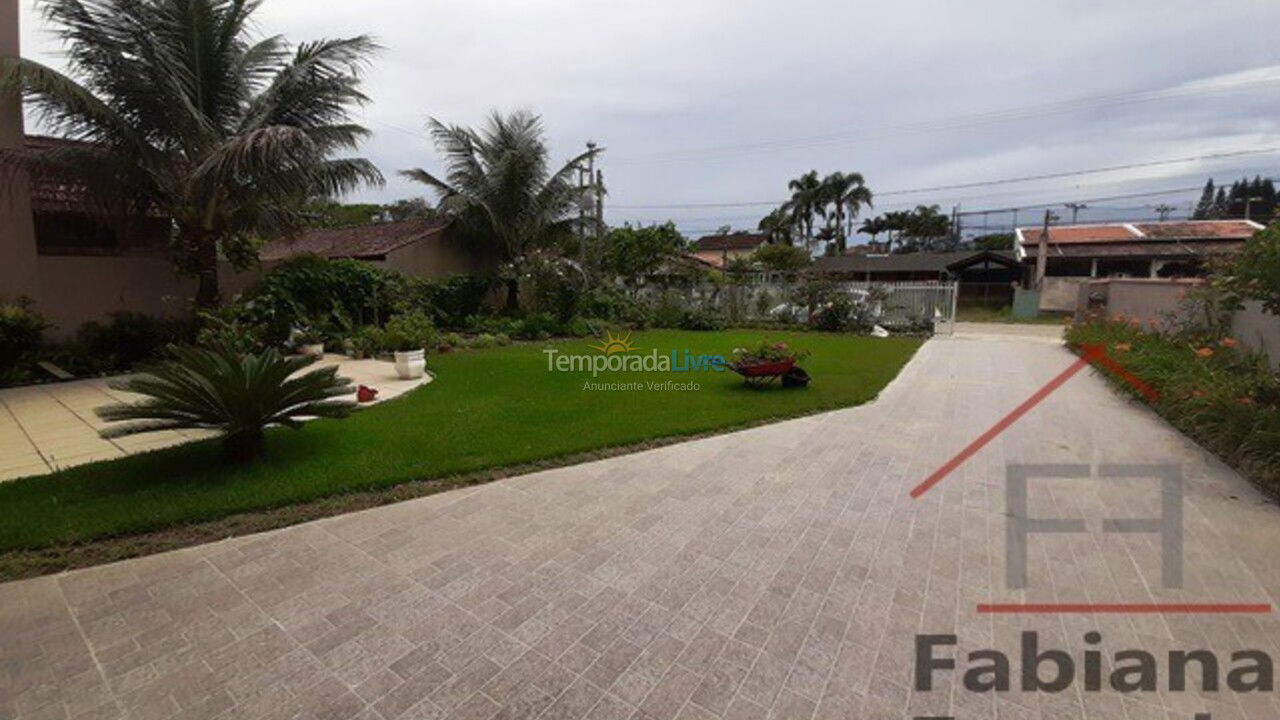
<point>733,241</point>
<point>357,241</point>
<point>1141,232</point>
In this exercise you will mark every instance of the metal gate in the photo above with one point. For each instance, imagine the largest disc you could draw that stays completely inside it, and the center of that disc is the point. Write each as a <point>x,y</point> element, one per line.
<point>915,306</point>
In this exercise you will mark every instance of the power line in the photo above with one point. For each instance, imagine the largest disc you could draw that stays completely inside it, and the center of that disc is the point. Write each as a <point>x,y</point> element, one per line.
<point>981,183</point>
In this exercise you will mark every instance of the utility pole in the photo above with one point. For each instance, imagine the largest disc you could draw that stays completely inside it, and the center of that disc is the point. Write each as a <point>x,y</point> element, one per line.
<point>1014,226</point>
<point>955,225</point>
<point>1042,250</point>
<point>1075,210</point>
<point>19,270</point>
<point>1248,207</point>
<point>1163,211</point>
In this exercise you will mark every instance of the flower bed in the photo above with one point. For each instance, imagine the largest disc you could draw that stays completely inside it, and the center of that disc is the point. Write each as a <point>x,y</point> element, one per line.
<point>1209,387</point>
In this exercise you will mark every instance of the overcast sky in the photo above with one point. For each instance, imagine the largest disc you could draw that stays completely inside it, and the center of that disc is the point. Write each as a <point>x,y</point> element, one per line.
<point>719,101</point>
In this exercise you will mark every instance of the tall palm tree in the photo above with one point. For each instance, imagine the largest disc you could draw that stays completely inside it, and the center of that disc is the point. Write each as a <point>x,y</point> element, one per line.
<point>183,114</point>
<point>847,194</point>
<point>778,225</point>
<point>806,203</point>
<point>499,186</point>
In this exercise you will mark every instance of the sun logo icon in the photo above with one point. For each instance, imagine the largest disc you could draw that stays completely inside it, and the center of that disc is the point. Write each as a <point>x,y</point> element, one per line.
<point>611,344</point>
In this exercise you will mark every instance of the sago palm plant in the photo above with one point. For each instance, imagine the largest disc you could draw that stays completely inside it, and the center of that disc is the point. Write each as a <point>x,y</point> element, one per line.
<point>239,395</point>
<point>181,113</point>
<point>500,188</point>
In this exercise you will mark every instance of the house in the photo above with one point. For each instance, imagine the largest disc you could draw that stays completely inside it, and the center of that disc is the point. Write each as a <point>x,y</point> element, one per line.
<point>1175,248</point>
<point>718,250</point>
<point>77,267</point>
<point>985,277</point>
<point>421,248</point>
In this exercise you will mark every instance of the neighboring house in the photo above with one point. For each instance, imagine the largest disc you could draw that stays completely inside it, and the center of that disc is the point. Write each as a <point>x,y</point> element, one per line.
<point>718,250</point>
<point>1175,248</point>
<point>985,277</point>
<point>86,268</point>
<point>422,248</point>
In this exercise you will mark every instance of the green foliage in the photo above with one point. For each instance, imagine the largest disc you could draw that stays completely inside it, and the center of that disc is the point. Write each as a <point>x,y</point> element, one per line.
<point>328,213</point>
<point>21,337</point>
<point>1223,397</point>
<point>994,241</point>
<point>366,342</point>
<point>314,291</point>
<point>186,113</point>
<point>781,258</point>
<point>501,191</point>
<point>1235,202</point>
<point>1255,272</point>
<point>128,339</point>
<point>227,329</point>
<point>238,395</point>
<point>453,299</point>
<point>408,331</point>
<point>537,326</point>
<point>701,318</point>
<point>634,252</point>
<point>555,285</point>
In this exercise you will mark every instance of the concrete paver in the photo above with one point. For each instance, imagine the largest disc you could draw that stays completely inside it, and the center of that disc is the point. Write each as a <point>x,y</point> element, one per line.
<point>778,572</point>
<point>51,427</point>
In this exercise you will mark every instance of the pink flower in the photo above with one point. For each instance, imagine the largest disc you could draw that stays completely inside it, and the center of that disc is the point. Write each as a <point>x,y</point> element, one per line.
<point>1228,342</point>
<point>1123,347</point>
<point>1205,352</point>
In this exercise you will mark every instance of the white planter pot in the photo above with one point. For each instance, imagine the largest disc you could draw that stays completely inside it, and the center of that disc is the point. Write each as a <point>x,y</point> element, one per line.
<point>410,364</point>
<point>313,350</point>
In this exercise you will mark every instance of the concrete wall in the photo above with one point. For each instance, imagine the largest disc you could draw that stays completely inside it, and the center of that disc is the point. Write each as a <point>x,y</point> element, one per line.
<point>1258,330</point>
<point>1059,293</point>
<point>77,289</point>
<point>1145,300</point>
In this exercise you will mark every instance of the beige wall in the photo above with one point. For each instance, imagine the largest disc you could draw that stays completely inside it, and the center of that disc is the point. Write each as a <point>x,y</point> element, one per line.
<point>77,289</point>
<point>1141,299</point>
<point>1059,294</point>
<point>434,257</point>
<point>18,276</point>
<point>1259,330</point>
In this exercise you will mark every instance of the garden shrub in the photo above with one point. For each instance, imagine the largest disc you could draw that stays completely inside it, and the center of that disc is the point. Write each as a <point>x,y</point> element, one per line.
<point>407,331</point>
<point>668,310</point>
<point>21,338</point>
<point>129,338</point>
<point>537,326</point>
<point>309,289</point>
<point>834,315</point>
<point>1209,387</point>
<point>454,299</point>
<point>701,319</point>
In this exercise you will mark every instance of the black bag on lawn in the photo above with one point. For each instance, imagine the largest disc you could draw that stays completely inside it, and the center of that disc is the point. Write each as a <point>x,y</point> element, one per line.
<point>795,377</point>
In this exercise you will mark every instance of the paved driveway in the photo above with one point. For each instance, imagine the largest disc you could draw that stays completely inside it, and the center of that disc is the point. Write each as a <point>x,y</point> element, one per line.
<point>778,572</point>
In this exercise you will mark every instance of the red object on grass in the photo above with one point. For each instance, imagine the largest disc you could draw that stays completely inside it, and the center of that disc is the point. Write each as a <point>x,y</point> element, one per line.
<point>365,394</point>
<point>765,369</point>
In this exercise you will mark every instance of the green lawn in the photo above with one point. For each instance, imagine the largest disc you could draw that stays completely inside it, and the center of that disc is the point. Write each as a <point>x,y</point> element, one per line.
<point>486,409</point>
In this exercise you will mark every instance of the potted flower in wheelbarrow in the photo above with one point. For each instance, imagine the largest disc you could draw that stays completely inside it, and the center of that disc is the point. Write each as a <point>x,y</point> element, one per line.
<point>769,361</point>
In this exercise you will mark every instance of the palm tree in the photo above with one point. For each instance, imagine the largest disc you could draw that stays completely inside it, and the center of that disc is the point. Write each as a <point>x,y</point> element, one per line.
<point>778,225</point>
<point>848,194</point>
<point>806,202</point>
<point>183,114</point>
<point>500,188</point>
<point>236,394</point>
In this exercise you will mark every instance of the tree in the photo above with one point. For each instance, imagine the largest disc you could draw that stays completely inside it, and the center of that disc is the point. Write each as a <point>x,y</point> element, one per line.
<point>778,225</point>
<point>780,258</point>
<point>994,241</point>
<point>874,226</point>
<point>632,252</point>
<point>327,213</point>
<point>1204,208</point>
<point>409,209</point>
<point>181,113</point>
<point>1254,274</point>
<point>806,203</point>
<point>501,191</point>
<point>847,194</point>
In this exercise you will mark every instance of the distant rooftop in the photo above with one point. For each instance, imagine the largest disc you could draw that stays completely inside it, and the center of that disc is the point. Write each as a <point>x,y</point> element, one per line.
<point>731,241</point>
<point>1094,233</point>
<point>366,242</point>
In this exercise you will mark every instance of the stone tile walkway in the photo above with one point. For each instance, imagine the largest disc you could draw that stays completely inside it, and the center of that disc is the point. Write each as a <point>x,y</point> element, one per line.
<point>50,427</point>
<point>780,572</point>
